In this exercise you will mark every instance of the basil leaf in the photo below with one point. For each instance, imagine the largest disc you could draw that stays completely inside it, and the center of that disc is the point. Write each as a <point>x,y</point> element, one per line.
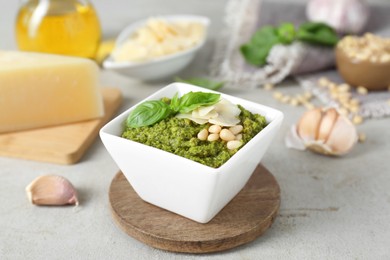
<point>202,82</point>
<point>257,49</point>
<point>317,33</point>
<point>148,113</point>
<point>286,33</point>
<point>175,102</point>
<point>193,100</point>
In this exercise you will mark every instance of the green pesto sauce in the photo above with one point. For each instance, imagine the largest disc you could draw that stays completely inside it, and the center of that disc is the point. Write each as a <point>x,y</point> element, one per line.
<point>179,136</point>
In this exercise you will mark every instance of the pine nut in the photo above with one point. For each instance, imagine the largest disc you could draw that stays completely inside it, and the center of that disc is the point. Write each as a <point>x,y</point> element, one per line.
<point>213,137</point>
<point>307,95</point>
<point>323,82</point>
<point>231,145</point>
<point>236,129</point>
<point>268,86</point>
<point>354,109</point>
<point>285,99</point>
<point>215,129</point>
<point>203,134</point>
<point>362,90</point>
<point>277,95</point>
<point>355,102</point>
<point>226,135</point>
<point>362,137</point>
<point>344,87</point>
<point>294,102</point>
<point>239,137</point>
<point>357,119</point>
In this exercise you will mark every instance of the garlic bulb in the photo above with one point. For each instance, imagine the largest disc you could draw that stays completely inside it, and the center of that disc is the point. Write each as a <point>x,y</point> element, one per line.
<point>326,131</point>
<point>51,190</point>
<point>345,16</point>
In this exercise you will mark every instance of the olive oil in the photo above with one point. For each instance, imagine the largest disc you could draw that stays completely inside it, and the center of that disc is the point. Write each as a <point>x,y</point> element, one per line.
<point>65,27</point>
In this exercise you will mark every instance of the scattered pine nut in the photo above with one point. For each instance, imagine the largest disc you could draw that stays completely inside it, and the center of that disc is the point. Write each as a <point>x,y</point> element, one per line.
<point>355,102</point>
<point>294,102</point>
<point>323,82</point>
<point>268,86</point>
<point>362,90</point>
<point>307,95</point>
<point>285,99</point>
<point>277,95</point>
<point>332,86</point>
<point>362,137</point>
<point>354,109</point>
<point>357,120</point>
<point>344,87</point>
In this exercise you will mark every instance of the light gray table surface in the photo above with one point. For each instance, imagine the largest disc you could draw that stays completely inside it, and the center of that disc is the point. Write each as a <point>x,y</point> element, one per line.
<point>332,208</point>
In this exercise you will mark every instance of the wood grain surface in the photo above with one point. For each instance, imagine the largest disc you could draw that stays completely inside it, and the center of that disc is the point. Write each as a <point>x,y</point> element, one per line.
<point>63,144</point>
<point>244,219</point>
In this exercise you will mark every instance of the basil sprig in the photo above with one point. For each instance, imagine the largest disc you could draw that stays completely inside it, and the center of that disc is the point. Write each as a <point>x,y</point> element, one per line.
<point>153,111</point>
<point>257,49</point>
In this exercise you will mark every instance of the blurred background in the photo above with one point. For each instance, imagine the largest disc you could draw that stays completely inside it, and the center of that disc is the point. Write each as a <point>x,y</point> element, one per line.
<point>129,11</point>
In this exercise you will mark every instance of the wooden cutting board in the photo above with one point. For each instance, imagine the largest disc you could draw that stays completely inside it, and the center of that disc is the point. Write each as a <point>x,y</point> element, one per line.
<point>244,219</point>
<point>64,144</point>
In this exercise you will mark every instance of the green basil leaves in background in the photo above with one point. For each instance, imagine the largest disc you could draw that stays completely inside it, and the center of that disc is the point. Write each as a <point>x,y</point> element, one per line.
<point>257,49</point>
<point>286,33</point>
<point>202,82</point>
<point>317,33</point>
<point>153,111</point>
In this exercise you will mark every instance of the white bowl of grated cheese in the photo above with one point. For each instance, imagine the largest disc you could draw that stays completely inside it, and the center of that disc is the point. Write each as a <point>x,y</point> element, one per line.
<point>158,48</point>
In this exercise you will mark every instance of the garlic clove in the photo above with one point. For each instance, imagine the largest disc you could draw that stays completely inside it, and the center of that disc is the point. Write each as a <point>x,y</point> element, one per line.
<point>327,122</point>
<point>320,147</point>
<point>51,190</point>
<point>343,136</point>
<point>309,123</point>
<point>325,131</point>
<point>293,140</point>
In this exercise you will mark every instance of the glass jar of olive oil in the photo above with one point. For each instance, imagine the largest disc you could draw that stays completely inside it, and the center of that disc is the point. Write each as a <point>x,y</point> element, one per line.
<point>67,27</point>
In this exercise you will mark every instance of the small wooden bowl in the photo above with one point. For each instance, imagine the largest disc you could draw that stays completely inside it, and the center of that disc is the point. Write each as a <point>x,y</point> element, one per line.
<point>373,76</point>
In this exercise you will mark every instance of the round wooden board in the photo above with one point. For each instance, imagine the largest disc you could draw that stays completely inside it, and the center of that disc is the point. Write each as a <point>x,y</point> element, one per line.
<point>245,218</point>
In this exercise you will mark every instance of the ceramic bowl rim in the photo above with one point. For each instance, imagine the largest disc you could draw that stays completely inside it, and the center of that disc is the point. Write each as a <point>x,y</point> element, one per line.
<point>177,85</point>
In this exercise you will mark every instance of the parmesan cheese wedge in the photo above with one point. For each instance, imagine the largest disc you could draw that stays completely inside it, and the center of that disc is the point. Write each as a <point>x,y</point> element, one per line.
<point>39,90</point>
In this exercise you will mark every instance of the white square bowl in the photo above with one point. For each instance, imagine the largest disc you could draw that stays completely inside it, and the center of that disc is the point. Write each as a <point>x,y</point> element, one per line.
<point>180,185</point>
